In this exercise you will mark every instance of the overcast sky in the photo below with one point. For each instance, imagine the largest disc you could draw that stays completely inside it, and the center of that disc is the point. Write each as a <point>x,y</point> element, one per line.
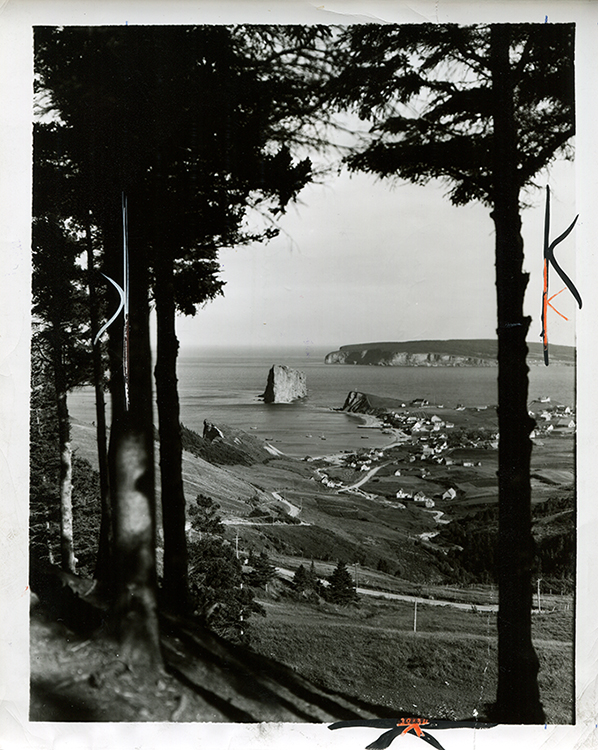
<point>361,260</point>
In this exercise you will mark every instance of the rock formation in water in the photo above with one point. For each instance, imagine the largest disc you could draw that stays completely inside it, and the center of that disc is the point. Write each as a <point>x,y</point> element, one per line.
<point>284,385</point>
<point>367,403</point>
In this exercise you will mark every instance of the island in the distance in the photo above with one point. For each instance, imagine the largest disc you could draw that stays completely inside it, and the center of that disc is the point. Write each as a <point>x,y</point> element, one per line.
<point>451,353</point>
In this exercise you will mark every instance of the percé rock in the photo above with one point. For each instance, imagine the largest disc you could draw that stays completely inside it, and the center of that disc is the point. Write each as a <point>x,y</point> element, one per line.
<point>284,385</point>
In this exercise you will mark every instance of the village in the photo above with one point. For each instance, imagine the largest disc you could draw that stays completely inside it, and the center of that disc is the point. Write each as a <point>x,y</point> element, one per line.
<point>447,458</point>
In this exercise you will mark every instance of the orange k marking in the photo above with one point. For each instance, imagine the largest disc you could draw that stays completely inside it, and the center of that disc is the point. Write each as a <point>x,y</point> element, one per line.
<point>414,724</point>
<point>553,307</point>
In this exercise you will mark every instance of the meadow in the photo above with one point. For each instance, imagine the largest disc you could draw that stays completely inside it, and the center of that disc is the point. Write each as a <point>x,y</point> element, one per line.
<point>445,670</point>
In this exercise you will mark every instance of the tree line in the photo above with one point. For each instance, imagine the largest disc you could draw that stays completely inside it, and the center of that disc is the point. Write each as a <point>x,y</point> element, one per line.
<point>156,144</point>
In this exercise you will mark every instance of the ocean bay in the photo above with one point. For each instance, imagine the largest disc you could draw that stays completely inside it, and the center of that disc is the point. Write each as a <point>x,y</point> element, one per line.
<point>224,385</point>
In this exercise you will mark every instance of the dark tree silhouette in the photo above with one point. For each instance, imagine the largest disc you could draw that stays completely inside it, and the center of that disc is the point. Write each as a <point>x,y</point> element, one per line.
<point>176,120</point>
<point>484,108</point>
<point>341,589</point>
<point>59,192</point>
<point>189,120</point>
<point>205,516</point>
<point>262,570</point>
<point>58,305</point>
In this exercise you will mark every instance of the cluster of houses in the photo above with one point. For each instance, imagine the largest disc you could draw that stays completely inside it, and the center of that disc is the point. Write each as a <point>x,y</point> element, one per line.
<point>421,497</point>
<point>434,440</point>
<point>363,461</point>
<point>559,418</point>
<point>416,423</point>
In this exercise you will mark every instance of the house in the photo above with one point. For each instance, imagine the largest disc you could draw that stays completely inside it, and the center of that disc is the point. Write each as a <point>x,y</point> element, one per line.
<point>419,497</point>
<point>450,494</point>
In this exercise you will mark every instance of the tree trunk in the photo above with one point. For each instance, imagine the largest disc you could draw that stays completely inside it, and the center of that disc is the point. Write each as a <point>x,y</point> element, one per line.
<point>131,463</point>
<point>102,568</point>
<point>518,698</point>
<point>67,547</point>
<point>175,591</point>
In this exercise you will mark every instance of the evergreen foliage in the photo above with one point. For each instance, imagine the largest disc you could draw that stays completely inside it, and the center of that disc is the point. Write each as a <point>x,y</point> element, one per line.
<point>181,121</point>
<point>483,108</point>
<point>44,462</point>
<point>262,570</point>
<point>341,589</point>
<point>220,598</point>
<point>300,579</point>
<point>204,516</point>
<point>306,582</point>
<point>427,90</point>
<point>218,587</point>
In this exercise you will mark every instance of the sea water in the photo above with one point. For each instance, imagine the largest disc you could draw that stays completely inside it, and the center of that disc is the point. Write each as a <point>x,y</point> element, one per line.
<point>224,386</point>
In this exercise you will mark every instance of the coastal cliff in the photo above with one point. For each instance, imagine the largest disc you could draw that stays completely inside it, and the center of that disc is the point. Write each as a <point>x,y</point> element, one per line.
<point>367,403</point>
<point>451,353</point>
<point>284,385</point>
<point>403,359</point>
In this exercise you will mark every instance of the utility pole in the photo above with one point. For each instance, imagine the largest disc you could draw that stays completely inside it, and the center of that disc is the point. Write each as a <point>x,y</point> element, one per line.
<point>415,617</point>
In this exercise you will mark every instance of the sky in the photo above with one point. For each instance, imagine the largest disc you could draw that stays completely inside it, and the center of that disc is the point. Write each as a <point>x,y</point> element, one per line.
<point>361,260</point>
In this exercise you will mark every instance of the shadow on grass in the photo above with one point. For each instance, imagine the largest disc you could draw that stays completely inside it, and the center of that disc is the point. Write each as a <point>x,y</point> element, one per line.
<point>47,704</point>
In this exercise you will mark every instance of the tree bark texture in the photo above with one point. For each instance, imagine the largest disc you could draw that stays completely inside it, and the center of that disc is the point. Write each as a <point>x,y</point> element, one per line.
<point>131,463</point>
<point>67,547</point>
<point>518,698</point>
<point>175,591</point>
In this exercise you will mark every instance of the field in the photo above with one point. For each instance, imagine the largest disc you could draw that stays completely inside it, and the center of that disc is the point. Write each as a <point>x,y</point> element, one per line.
<point>447,669</point>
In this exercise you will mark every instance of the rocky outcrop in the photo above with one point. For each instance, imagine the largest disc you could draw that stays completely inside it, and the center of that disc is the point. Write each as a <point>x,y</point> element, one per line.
<point>358,402</point>
<point>284,385</point>
<point>223,445</point>
<point>210,431</point>
<point>389,358</point>
<point>366,403</point>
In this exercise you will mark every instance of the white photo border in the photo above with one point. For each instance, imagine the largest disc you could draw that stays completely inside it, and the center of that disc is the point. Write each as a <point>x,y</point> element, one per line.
<point>17,20</point>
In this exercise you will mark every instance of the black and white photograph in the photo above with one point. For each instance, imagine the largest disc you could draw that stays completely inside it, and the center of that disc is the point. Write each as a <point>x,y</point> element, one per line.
<point>305,324</point>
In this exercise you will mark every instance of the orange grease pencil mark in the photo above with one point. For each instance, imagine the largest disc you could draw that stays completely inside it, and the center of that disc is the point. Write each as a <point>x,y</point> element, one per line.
<point>550,259</point>
<point>412,724</point>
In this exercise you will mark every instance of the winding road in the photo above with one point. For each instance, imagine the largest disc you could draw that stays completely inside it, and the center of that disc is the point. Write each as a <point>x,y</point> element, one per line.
<point>289,575</point>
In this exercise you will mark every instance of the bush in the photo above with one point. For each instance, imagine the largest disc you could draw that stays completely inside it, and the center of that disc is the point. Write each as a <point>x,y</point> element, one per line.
<point>216,582</point>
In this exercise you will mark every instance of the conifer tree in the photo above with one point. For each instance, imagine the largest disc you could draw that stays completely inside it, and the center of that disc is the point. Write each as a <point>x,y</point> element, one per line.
<point>263,570</point>
<point>341,589</point>
<point>484,109</point>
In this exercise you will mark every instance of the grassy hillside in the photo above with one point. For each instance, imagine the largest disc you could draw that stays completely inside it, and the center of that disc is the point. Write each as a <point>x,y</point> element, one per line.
<point>446,670</point>
<point>346,507</point>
